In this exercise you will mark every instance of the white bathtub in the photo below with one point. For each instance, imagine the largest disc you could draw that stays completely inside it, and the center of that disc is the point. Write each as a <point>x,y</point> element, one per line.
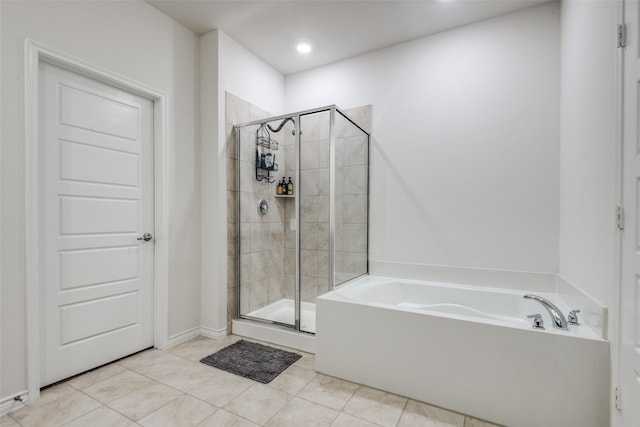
<point>464,348</point>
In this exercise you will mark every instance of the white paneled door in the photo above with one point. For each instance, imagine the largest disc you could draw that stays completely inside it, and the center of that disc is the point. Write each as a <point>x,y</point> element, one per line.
<point>629,398</point>
<point>96,203</point>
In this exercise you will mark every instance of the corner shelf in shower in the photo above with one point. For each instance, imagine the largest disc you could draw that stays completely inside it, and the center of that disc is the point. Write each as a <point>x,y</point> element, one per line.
<point>285,196</point>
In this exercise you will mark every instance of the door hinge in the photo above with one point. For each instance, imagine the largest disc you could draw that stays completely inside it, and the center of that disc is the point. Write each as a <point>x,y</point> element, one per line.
<point>617,397</point>
<point>621,35</point>
<point>620,217</point>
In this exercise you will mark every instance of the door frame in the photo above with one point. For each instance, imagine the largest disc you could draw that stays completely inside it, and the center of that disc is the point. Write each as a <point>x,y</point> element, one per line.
<point>35,53</point>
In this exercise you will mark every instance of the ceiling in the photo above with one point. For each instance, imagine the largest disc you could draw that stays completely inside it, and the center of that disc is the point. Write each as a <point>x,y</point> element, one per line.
<point>336,29</point>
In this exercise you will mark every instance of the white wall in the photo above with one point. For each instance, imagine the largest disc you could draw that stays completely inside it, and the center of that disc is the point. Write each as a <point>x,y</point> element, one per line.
<point>465,157</point>
<point>134,40</point>
<point>226,66</point>
<point>588,148</point>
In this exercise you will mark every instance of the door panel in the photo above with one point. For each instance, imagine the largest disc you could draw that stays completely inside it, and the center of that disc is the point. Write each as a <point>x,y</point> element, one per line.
<point>96,198</point>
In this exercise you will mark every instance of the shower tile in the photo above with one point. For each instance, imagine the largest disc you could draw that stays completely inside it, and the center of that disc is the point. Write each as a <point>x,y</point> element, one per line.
<point>309,235</point>
<point>232,304</point>
<point>355,179</point>
<point>256,113</point>
<point>323,208</point>
<point>276,235</point>
<point>339,237</point>
<point>322,286</point>
<point>237,110</point>
<point>323,182</point>
<point>231,174</point>
<point>376,406</point>
<point>361,115</point>
<point>355,238</point>
<point>309,262</point>
<point>232,198</point>
<point>355,151</point>
<point>323,236</point>
<point>323,125</point>
<point>324,151</point>
<point>355,209</point>
<point>246,268</point>
<point>260,240</point>
<point>339,208</point>
<point>355,263</point>
<point>261,265</point>
<point>339,152</point>
<point>289,261</point>
<point>246,206</point>
<point>309,183</point>
<point>308,292</point>
<point>276,289</point>
<point>276,262</point>
<point>302,412</point>
<point>232,145</point>
<point>289,158</point>
<point>245,293</point>
<point>247,176</point>
<point>231,239</point>
<point>417,414</point>
<point>309,156</point>
<point>247,145</point>
<point>290,239</point>
<point>232,271</point>
<point>289,286</point>
<point>259,294</point>
<point>309,208</point>
<point>323,265</point>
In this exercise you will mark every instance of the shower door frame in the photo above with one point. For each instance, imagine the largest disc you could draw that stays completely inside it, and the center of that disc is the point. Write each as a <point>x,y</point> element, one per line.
<point>332,221</point>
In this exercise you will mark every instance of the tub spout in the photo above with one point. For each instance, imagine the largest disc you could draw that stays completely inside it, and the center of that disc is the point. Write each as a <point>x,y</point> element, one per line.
<point>559,321</point>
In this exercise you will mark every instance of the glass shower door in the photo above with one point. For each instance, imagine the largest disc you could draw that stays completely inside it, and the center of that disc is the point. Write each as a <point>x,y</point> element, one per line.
<point>265,273</point>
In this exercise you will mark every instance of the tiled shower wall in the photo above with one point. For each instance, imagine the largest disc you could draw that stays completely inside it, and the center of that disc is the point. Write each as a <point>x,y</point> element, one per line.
<point>267,243</point>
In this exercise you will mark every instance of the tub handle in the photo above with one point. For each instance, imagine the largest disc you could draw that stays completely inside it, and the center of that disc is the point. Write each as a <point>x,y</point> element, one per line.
<point>538,323</point>
<point>572,319</point>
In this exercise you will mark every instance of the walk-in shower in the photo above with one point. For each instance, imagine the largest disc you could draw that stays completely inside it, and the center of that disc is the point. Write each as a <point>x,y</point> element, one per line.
<point>299,240</point>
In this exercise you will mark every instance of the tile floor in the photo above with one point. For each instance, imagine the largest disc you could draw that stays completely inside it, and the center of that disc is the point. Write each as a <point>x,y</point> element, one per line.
<point>172,388</point>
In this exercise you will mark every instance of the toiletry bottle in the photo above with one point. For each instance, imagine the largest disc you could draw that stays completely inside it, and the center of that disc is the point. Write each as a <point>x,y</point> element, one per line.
<point>290,187</point>
<point>279,188</point>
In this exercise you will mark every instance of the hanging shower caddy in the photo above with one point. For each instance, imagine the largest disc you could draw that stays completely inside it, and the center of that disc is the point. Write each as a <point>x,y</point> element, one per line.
<point>265,159</point>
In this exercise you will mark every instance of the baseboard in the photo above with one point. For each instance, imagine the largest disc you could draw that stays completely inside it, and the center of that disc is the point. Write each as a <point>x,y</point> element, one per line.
<point>486,277</point>
<point>10,403</point>
<point>183,336</point>
<point>215,334</point>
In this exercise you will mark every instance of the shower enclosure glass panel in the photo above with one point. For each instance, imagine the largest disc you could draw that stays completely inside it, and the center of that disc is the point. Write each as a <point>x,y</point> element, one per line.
<point>303,244</point>
<point>266,257</point>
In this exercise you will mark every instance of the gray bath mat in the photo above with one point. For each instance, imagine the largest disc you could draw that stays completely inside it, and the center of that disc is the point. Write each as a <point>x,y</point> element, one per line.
<point>252,360</point>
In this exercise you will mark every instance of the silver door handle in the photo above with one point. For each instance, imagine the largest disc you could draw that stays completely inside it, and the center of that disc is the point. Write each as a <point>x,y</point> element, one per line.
<point>146,237</point>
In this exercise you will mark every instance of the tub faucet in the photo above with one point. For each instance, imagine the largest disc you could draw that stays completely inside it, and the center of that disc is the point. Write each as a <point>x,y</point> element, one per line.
<point>559,321</point>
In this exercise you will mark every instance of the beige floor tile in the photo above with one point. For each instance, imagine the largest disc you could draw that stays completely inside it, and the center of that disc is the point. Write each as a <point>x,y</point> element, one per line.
<point>145,400</point>
<point>307,361</point>
<point>160,366</point>
<point>329,391</point>
<point>376,406</point>
<point>49,395</point>
<point>146,356</point>
<point>300,412</point>
<point>418,414</point>
<point>258,404</point>
<point>292,384</point>
<point>95,376</point>
<point>101,417</point>
<point>57,412</point>
<point>7,421</point>
<point>223,418</point>
<point>474,422</point>
<point>196,348</point>
<point>221,388</point>
<point>346,420</point>
<point>108,390</point>
<point>189,379</point>
<point>184,411</point>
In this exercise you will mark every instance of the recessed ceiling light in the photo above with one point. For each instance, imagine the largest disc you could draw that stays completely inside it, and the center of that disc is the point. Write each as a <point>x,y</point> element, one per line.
<point>304,47</point>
